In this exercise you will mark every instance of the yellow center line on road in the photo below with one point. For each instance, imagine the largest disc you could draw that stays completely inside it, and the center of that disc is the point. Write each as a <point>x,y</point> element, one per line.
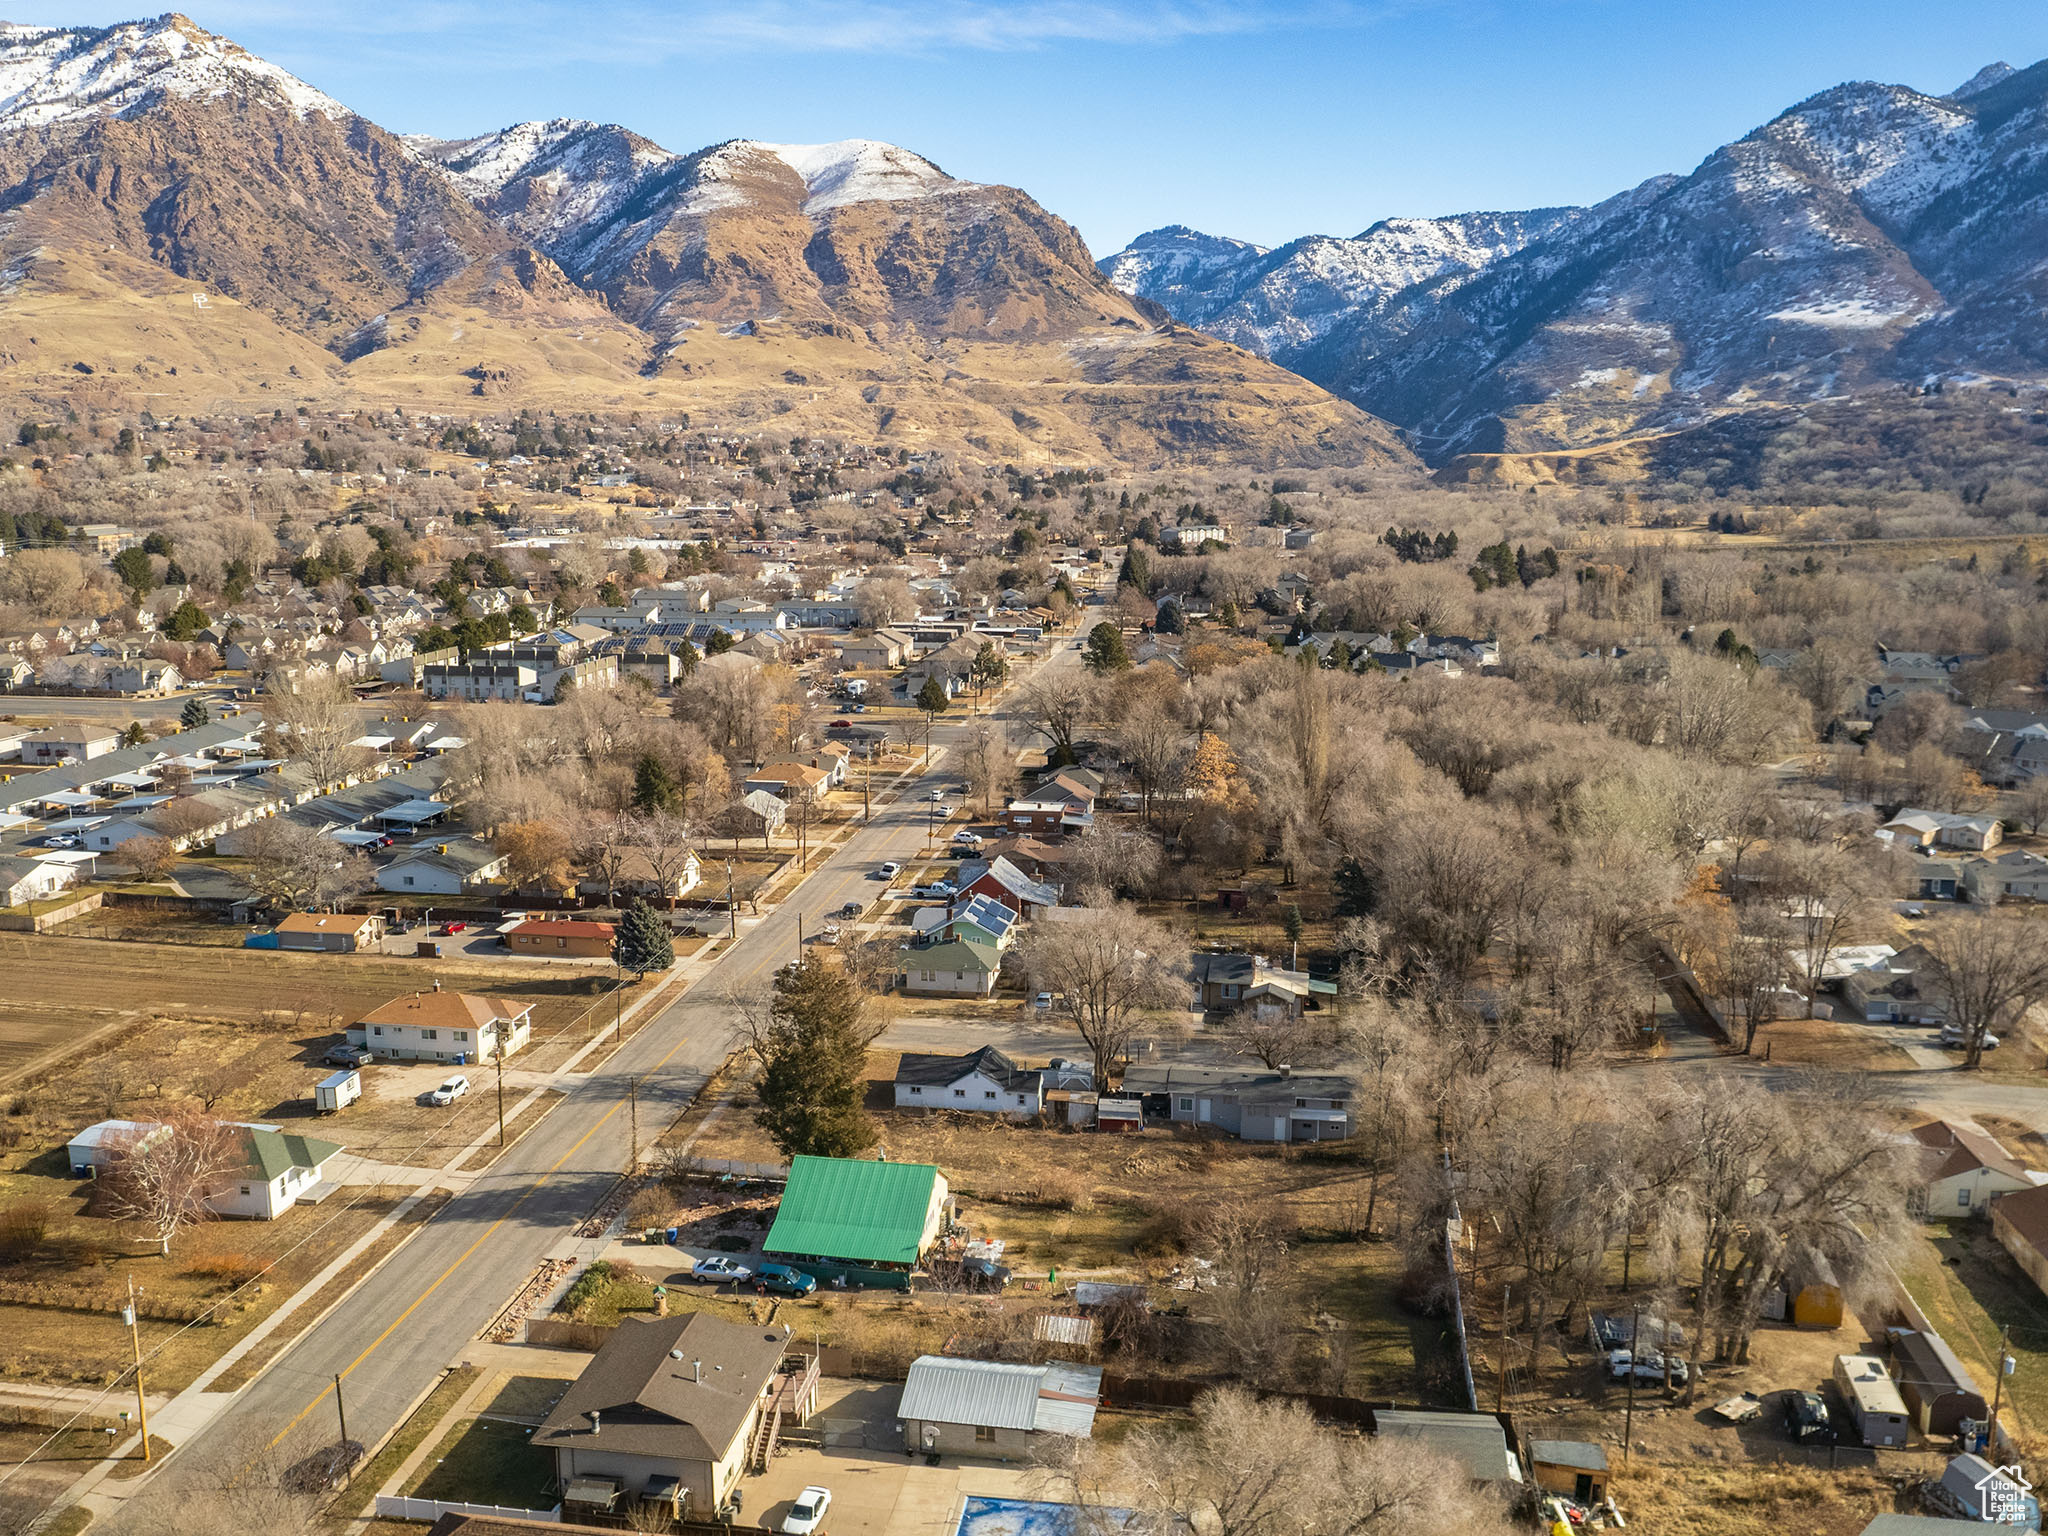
<point>465,1256</point>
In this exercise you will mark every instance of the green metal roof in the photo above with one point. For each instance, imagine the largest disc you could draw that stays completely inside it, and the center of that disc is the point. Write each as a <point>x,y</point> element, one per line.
<point>844,1208</point>
<point>272,1152</point>
<point>961,954</point>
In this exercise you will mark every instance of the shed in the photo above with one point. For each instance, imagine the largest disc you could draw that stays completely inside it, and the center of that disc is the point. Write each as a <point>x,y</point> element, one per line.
<point>94,1147</point>
<point>857,1221</point>
<point>1476,1440</point>
<point>1815,1296</point>
<point>991,1408</point>
<point>1574,1468</point>
<point>1939,1390</point>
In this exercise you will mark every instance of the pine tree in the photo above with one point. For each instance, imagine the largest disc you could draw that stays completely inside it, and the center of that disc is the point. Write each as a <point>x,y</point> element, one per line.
<point>642,942</point>
<point>1357,892</point>
<point>1106,653</point>
<point>719,643</point>
<point>654,787</point>
<point>194,714</point>
<point>813,1055</point>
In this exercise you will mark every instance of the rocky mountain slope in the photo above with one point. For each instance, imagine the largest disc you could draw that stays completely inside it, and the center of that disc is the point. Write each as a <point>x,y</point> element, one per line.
<point>1868,238</point>
<point>183,220</point>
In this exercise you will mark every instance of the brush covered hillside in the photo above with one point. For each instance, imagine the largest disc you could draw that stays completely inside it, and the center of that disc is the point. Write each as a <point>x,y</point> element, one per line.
<point>187,223</point>
<point>1868,239</point>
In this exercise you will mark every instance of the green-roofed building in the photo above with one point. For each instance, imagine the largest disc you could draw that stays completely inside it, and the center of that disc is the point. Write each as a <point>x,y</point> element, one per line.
<point>867,1223</point>
<point>958,967</point>
<point>279,1170</point>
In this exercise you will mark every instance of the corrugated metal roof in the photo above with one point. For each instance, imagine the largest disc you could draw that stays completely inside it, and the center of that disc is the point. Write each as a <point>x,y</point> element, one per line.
<point>1056,1398</point>
<point>846,1208</point>
<point>1476,1439</point>
<point>985,1393</point>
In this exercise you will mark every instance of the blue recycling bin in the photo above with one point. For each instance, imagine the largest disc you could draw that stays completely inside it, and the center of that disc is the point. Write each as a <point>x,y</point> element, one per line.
<point>672,1231</point>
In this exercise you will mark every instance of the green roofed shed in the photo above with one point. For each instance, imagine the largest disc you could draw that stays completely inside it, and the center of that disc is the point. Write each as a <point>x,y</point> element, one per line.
<point>850,1211</point>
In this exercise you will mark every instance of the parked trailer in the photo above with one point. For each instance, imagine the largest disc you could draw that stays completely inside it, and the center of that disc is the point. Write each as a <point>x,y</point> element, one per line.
<point>333,1094</point>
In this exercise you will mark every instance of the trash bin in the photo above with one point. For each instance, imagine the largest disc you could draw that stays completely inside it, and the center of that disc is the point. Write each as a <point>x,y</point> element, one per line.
<point>672,1231</point>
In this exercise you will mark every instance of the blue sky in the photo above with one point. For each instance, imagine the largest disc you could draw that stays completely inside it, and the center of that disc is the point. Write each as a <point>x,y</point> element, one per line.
<point>1264,121</point>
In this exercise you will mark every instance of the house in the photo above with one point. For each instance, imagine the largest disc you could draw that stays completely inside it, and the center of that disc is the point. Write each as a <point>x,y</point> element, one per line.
<point>978,917</point>
<point>443,1026</point>
<point>79,746</point>
<point>1224,983</point>
<point>1938,1389</point>
<point>1063,803</point>
<point>637,877</point>
<point>2020,1223</point>
<point>1963,1170</point>
<point>1901,991</point>
<point>1474,1440</point>
<point>26,880</point>
<point>1004,882</point>
<point>1043,861</point>
<point>985,1081</point>
<point>868,1223</point>
<point>1192,536</point>
<point>882,651</point>
<point>990,1408</point>
<point>2013,876</point>
<point>278,1169</point>
<point>1255,1104</point>
<point>447,869</point>
<point>1929,829</point>
<point>1876,1409</point>
<point>333,932</point>
<point>665,1413</point>
<point>789,781</point>
<point>1935,879</point>
<point>1575,1468</point>
<point>561,938</point>
<point>957,967</point>
<point>92,1149</point>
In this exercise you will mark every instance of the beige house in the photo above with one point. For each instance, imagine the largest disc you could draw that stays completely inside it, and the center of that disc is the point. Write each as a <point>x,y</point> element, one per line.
<point>665,1415</point>
<point>443,1026</point>
<point>1965,1169</point>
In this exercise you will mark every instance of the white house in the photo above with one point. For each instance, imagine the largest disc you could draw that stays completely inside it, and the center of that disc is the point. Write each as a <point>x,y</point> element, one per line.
<point>446,869</point>
<point>279,1168</point>
<point>984,1081</point>
<point>1963,1170</point>
<point>444,1026</point>
<point>26,880</point>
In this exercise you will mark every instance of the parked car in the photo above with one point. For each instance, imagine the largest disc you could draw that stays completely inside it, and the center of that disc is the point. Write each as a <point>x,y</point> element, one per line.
<point>60,840</point>
<point>984,1274</point>
<point>1953,1038</point>
<point>829,934</point>
<point>887,872</point>
<point>349,1056</point>
<point>840,725</point>
<point>718,1269</point>
<point>1648,1366</point>
<point>1042,1000</point>
<point>451,1090</point>
<point>784,1281</point>
<point>967,839</point>
<point>455,927</point>
<point>938,890</point>
<point>851,910</point>
<point>806,1516</point>
<point>937,794</point>
<point>1807,1420</point>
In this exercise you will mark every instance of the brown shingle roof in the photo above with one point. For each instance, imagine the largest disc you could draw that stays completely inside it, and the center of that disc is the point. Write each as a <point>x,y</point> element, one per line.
<point>2027,1212</point>
<point>565,928</point>
<point>1967,1148</point>
<point>322,922</point>
<point>651,1404</point>
<point>450,1010</point>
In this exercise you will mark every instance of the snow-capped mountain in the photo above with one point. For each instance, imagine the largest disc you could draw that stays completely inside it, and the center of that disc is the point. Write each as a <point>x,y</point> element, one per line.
<point>1869,236</point>
<point>66,74</point>
<point>208,227</point>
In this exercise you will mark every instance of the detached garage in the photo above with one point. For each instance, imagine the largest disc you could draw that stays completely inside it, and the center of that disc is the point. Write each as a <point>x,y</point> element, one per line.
<point>866,1223</point>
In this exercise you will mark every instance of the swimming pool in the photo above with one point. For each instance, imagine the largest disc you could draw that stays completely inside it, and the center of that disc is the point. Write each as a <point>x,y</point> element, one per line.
<point>1032,1517</point>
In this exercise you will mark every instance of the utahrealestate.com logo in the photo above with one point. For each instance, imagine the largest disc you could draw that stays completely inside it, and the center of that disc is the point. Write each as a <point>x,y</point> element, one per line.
<point>2004,1495</point>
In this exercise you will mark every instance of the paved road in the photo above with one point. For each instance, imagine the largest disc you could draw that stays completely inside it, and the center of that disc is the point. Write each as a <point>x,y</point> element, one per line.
<point>388,1341</point>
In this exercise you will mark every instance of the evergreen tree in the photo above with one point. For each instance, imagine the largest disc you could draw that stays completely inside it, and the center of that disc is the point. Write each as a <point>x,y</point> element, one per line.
<point>1357,892</point>
<point>813,1055</point>
<point>136,574</point>
<point>720,642</point>
<point>194,714</point>
<point>135,735</point>
<point>186,620</point>
<point>687,657</point>
<point>1105,652</point>
<point>642,942</point>
<point>1136,570</point>
<point>654,787</point>
<point>932,698</point>
<point>1169,621</point>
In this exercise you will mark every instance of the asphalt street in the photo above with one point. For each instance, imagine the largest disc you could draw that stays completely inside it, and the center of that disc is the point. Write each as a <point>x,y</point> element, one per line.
<point>389,1340</point>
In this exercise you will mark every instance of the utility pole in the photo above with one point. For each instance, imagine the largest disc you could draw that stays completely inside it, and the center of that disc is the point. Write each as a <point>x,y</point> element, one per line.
<point>867,791</point>
<point>633,1117</point>
<point>732,912</point>
<point>499,1058</point>
<point>2005,1365</point>
<point>1500,1385</point>
<point>348,1462</point>
<point>135,1338</point>
<point>1628,1431</point>
<point>618,999</point>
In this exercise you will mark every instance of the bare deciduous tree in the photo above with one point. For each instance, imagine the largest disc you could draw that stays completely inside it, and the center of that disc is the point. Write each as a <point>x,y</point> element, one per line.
<point>1105,972</point>
<point>1991,969</point>
<point>163,1178</point>
<point>315,726</point>
<point>293,865</point>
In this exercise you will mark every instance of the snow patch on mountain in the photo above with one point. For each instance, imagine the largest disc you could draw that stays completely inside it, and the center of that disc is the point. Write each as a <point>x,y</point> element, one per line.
<point>1845,314</point>
<point>67,74</point>
<point>860,171</point>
